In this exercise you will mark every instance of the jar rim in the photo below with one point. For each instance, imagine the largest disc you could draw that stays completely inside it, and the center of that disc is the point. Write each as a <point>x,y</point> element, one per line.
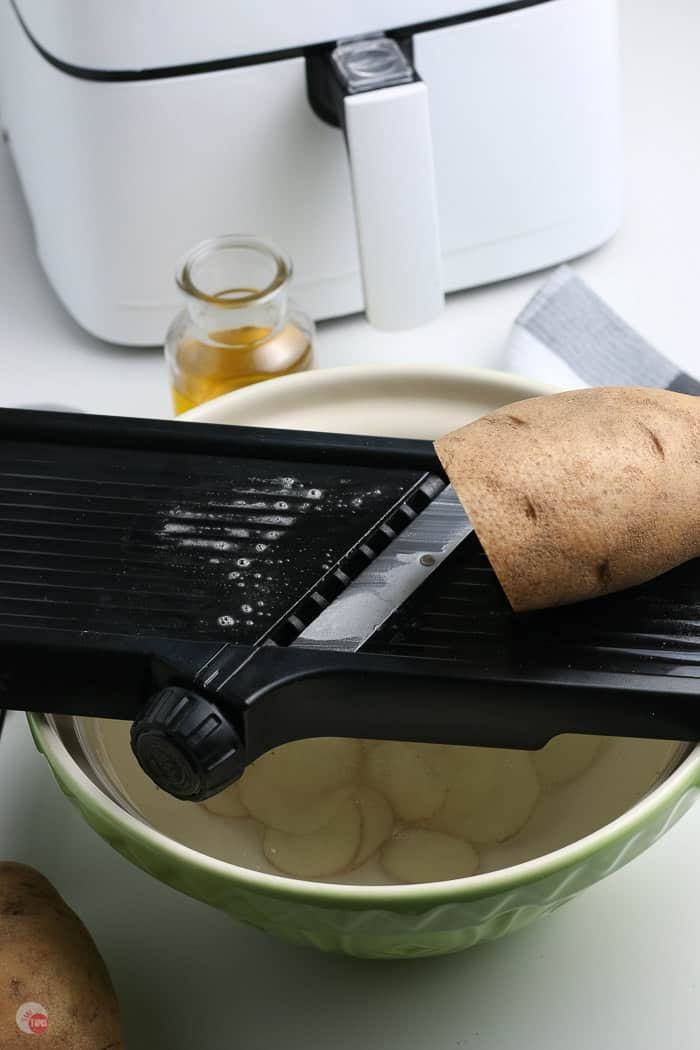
<point>186,283</point>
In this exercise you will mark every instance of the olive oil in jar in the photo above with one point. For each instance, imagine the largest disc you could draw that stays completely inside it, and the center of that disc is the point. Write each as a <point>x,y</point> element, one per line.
<point>234,359</point>
<point>250,331</point>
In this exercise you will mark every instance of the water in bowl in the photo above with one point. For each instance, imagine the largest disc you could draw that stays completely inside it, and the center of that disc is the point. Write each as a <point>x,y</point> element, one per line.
<point>369,813</point>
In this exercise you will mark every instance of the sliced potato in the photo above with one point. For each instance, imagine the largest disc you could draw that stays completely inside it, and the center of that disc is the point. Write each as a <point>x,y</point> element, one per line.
<point>292,812</point>
<point>377,822</point>
<point>417,855</point>
<point>327,851</point>
<point>436,754</point>
<point>447,758</point>
<point>308,767</point>
<point>296,788</point>
<point>565,757</point>
<point>407,778</point>
<point>492,794</point>
<point>227,803</point>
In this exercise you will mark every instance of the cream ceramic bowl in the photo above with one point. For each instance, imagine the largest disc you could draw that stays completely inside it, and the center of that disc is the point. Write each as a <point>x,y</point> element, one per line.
<point>577,835</point>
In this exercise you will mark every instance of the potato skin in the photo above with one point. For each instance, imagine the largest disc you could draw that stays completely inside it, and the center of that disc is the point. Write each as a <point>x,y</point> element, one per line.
<point>48,957</point>
<point>578,494</point>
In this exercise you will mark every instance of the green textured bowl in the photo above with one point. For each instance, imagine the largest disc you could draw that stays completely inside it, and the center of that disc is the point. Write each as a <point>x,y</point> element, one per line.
<point>369,921</point>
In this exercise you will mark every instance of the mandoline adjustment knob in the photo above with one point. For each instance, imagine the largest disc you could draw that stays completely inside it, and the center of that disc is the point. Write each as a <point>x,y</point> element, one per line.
<point>186,746</point>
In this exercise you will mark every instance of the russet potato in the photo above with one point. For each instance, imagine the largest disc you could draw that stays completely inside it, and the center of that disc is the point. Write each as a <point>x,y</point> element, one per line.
<point>53,981</point>
<point>578,494</point>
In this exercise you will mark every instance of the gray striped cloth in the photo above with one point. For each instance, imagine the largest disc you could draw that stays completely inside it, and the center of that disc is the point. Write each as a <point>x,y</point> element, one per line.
<point>569,337</point>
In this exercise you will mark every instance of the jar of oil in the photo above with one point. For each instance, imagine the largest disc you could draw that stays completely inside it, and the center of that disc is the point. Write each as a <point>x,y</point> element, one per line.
<point>238,326</point>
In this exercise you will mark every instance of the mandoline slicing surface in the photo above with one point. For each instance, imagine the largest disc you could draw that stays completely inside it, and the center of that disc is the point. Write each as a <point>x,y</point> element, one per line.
<point>195,546</point>
<point>462,613</point>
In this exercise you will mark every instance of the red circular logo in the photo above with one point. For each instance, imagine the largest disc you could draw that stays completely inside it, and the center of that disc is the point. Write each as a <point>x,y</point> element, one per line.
<point>38,1024</point>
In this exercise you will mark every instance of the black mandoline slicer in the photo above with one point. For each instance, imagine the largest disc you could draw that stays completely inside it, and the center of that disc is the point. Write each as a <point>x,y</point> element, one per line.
<point>228,589</point>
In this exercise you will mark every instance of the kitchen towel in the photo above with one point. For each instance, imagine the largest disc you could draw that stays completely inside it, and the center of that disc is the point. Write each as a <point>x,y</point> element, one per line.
<point>569,337</point>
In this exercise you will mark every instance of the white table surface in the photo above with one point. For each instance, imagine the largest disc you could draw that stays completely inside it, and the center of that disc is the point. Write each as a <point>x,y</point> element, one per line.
<point>618,967</point>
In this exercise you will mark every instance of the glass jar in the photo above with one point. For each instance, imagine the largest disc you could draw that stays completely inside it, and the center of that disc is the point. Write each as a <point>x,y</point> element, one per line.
<point>238,326</point>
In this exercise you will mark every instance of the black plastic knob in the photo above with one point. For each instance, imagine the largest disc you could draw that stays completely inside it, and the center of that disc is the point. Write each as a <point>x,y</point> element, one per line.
<point>186,746</point>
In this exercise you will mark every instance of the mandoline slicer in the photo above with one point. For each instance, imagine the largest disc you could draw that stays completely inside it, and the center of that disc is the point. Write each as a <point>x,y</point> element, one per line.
<point>228,589</point>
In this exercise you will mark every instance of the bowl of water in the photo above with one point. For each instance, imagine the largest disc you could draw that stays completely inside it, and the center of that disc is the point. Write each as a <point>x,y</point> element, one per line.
<point>382,849</point>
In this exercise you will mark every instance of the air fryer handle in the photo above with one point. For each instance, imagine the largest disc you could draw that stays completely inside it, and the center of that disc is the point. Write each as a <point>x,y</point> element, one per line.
<point>370,89</point>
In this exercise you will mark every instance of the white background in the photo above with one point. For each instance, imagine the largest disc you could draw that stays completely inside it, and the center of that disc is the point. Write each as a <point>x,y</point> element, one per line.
<point>616,968</point>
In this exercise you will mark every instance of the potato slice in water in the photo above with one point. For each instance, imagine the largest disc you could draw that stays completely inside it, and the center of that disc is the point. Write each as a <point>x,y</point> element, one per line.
<point>565,757</point>
<point>491,796</point>
<point>227,803</point>
<point>291,812</point>
<point>377,821</point>
<point>406,776</point>
<point>309,767</point>
<point>297,787</point>
<point>326,851</point>
<point>416,855</point>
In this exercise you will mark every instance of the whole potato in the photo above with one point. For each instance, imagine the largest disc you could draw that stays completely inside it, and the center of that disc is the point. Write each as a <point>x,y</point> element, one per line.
<point>53,981</point>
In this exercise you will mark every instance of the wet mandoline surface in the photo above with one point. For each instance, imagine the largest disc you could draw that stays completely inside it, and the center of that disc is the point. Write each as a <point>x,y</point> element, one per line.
<point>181,546</point>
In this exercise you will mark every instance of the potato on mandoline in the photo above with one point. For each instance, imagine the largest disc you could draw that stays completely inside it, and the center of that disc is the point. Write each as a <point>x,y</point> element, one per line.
<point>579,494</point>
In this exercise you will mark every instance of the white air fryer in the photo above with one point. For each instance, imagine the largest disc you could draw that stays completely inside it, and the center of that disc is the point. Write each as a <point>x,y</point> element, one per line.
<point>396,149</point>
